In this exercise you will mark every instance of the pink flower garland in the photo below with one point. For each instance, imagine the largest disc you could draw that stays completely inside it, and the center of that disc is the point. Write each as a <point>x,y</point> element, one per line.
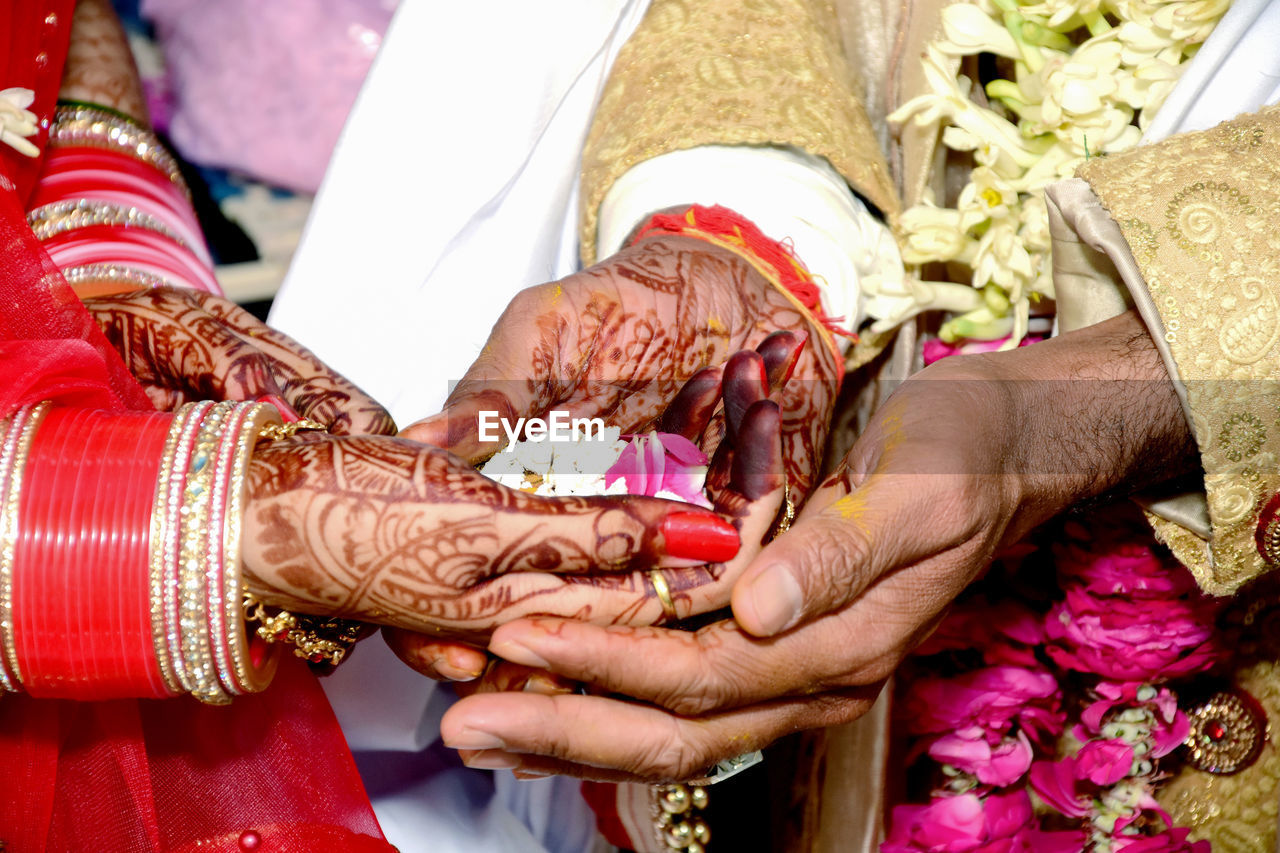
<point>1128,620</point>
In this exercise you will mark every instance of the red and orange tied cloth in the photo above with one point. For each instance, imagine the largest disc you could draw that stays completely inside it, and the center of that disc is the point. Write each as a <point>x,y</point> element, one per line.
<point>112,209</point>
<point>771,258</point>
<point>120,552</point>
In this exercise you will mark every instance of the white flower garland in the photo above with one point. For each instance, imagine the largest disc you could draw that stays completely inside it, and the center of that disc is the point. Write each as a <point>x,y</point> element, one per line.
<point>1088,75</point>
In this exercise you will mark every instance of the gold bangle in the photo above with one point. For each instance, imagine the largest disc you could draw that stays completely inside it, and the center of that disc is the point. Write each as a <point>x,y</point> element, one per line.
<point>164,551</point>
<point>91,127</point>
<point>244,676</point>
<point>50,220</point>
<point>193,569</point>
<point>121,277</point>
<point>19,432</point>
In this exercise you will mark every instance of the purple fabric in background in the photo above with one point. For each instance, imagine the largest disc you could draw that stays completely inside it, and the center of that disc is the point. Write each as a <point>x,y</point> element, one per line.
<point>264,88</point>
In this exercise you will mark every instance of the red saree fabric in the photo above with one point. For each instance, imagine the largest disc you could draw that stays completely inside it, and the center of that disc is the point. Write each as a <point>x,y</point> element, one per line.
<point>270,772</point>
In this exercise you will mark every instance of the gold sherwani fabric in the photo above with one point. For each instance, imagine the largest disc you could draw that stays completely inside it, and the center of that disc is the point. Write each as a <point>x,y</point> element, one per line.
<point>747,72</point>
<point>1199,212</point>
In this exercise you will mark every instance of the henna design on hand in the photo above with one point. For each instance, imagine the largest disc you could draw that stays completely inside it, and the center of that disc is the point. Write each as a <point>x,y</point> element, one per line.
<point>100,68</point>
<point>392,531</point>
<point>185,345</point>
<point>621,338</point>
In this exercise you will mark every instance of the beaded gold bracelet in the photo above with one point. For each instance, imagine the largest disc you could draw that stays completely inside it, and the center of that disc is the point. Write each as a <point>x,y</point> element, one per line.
<point>678,820</point>
<point>93,126</point>
<point>50,220</point>
<point>315,639</point>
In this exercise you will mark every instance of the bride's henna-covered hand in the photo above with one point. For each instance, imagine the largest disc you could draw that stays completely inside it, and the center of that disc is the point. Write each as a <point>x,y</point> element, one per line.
<point>185,345</point>
<point>619,340</point>
<point>390,531</point>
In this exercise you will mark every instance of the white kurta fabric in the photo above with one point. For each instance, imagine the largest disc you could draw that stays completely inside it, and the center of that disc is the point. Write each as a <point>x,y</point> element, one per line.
<point>1236,70</point>
<point>453,186</point>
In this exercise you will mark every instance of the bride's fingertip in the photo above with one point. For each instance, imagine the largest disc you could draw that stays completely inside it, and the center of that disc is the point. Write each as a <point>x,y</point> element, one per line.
<point>701,536</point>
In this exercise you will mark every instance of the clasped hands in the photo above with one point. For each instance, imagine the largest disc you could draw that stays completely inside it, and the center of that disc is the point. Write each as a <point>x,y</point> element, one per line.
<point>963,460</point>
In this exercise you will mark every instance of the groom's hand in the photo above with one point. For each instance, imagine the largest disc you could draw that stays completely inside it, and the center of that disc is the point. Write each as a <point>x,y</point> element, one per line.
<point>963,460</point>
<point>620,339</point>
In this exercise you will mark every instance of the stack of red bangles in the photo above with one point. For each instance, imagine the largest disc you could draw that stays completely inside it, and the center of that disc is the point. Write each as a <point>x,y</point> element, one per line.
<point>120,552</point>
<point>111,207</point>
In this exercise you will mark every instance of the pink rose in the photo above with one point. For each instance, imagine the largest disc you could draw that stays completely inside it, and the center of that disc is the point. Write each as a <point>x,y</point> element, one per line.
<point>936,349</point>
<point>662,462</point>
<point>971,750</point>
<point>1104,762</point>
<point>997,823</point>
<point>991,698</point>
<point>1124,640</point>
<point>1005,632</point>
<point>1130,569</point>
<point>1171,725</point>
<point>1057,783</point>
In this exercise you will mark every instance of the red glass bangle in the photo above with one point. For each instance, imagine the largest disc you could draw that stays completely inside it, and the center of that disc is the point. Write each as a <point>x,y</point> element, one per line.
<point>81,597</point>
<point>104,244</point>
<point>91,173</point>
<point>102,167</point>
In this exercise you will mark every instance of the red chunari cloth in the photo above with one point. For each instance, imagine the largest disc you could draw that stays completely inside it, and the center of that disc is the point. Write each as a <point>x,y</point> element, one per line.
<point>131,776</point>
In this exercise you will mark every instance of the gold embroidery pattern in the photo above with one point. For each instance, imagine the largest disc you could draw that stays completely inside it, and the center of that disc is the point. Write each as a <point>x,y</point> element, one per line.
<point>1197,214</point>
<point>1144,240</point>
<point>1213,200</point>
<point>1241,437</point>
<point>782,80</point>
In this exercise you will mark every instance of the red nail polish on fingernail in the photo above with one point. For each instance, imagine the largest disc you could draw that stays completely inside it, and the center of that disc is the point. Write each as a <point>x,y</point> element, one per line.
<point>698,536</point>
<point>795,355</point>
<point>287,413</point>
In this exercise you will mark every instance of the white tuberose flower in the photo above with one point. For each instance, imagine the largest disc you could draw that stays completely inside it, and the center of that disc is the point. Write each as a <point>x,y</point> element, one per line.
<point>16,121</point>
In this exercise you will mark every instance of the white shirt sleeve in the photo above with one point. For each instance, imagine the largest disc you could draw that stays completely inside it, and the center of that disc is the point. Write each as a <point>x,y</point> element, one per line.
<point>790,195</point>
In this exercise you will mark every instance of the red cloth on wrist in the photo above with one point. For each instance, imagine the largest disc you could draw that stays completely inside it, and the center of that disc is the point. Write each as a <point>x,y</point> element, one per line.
<point>774,259</point>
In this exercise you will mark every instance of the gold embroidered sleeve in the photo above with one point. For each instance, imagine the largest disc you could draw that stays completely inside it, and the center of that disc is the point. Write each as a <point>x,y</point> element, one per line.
<point>1201,215</point>
<point>728,72</point>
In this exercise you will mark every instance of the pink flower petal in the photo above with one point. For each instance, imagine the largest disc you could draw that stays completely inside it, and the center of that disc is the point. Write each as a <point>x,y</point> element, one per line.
<point>1104,762</point>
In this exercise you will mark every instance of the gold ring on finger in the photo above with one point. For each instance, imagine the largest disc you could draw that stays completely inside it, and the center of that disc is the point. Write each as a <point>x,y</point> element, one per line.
<point>663,591</point>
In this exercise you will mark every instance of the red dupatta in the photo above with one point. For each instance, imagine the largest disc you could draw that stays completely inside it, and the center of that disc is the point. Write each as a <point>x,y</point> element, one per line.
<point>270,772</point>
